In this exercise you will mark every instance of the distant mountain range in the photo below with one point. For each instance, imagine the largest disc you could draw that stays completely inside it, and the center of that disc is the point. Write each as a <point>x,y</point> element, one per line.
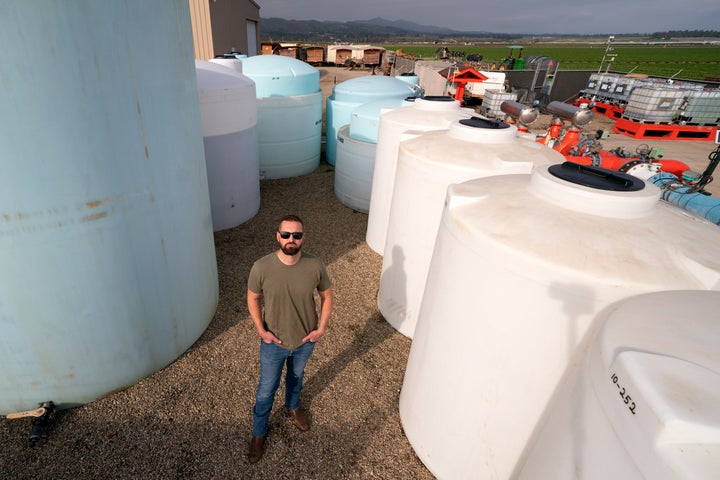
<point>386,31</point>
<point>373,30</point>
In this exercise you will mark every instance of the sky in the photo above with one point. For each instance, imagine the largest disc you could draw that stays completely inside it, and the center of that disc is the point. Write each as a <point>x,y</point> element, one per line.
<point>514,16</point>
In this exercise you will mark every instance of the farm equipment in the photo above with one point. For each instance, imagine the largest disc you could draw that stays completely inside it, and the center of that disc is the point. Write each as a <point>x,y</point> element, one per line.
<point>579,147</point>
<point>514,60</point>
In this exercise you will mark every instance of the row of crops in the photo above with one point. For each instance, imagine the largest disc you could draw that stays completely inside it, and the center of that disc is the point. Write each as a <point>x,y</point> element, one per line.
<point>688,62</point>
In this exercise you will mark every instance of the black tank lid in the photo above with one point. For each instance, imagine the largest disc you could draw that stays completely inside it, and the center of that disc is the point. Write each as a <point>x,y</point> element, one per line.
<point>438,98</point>
<point>480,122</point>
<point>596,177</point>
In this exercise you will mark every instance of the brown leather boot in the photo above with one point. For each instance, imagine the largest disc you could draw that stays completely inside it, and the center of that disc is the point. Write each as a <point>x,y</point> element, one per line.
<point>257,448</point>
<point>300,419</point>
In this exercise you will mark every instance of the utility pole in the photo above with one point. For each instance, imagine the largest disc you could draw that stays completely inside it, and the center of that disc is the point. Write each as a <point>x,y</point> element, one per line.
<point>608,57</point>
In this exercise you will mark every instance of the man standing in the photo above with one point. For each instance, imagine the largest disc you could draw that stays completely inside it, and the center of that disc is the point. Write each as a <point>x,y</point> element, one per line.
<point>286,281</point>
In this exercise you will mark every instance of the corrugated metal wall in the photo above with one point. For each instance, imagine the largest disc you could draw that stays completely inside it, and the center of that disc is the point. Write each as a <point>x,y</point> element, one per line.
<point>201,29</point>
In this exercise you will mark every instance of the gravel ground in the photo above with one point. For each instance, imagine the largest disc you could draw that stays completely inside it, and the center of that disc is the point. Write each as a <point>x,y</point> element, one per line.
<point>193,419</point>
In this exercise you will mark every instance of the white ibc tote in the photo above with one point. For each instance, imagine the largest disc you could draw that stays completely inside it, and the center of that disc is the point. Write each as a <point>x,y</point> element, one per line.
<point>228,111</point>
<point>427,164</point>
<point>425,114</point>
<point>644,404</point>
<point>522,266</point>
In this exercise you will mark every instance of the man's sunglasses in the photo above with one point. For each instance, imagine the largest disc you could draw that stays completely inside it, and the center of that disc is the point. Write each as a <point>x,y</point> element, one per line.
<point>295,235</point>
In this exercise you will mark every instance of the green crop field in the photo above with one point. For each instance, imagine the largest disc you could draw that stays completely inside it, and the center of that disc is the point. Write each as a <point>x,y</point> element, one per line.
<point>683,62</point>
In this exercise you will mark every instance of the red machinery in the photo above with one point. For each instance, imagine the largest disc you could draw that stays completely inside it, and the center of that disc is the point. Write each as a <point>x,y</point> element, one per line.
<point>460,75</point>
<point>577,147</point>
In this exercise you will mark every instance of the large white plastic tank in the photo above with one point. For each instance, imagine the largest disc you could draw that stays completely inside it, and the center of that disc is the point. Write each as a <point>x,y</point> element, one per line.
<point>427,164</point>
<point>106,241</point>
<point>229,120</point>
<point>425,114</point>
<point>644,403</point>
<point>289,103</point>
<point>349,95</point>
<point>356,153</point>
<point>521,269</point>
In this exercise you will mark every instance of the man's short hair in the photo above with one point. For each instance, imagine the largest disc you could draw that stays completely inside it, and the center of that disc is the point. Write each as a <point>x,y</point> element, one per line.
<point>291,218</point>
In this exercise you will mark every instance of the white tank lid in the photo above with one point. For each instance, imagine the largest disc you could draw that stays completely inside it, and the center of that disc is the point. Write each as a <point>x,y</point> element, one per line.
<point>231,62</point>
<point>660,248</point>
<point>594,190</point>
<point>483,130</point>
<point>655,368</point>
<point>212,76</point>
<point>227,99</point>
<point>436,102</point>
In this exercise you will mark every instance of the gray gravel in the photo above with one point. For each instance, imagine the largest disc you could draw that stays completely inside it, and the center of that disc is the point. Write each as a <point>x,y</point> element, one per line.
<point>193,419</point>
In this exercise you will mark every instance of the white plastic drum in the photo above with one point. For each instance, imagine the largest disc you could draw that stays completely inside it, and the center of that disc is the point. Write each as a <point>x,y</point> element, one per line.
<point>355,156</point>
<point>229,119</point>
<point>106,241</point>
<point>644,403</point>
<point>425,114</point>
<point>521,269</point>
<point>470,148</point>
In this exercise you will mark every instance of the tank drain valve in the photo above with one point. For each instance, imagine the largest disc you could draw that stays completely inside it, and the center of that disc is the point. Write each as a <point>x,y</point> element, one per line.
<point>41,419</point>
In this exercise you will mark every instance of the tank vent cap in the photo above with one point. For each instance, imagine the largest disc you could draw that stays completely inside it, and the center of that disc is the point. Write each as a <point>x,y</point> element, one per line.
<point>596,177</point>
<point>479,122</point>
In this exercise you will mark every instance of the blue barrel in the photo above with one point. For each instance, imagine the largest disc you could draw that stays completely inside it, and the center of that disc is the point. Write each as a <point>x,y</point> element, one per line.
<point>106,242</point>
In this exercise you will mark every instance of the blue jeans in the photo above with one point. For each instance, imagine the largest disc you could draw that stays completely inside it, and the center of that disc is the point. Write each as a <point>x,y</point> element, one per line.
<point>272,359</point>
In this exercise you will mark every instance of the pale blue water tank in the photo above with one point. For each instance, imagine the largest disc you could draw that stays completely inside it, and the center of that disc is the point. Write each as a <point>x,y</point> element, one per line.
<point>229,120</point>
<point>355,156</point>
<point>106,243</point>
<point>410,78</point>
<point>350,94</point>
<point>289,108</point>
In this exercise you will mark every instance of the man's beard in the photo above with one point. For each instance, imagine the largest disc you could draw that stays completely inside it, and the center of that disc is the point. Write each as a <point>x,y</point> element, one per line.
<point>290,249</point>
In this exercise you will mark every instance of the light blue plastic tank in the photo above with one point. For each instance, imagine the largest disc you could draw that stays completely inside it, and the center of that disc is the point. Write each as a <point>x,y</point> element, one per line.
<point>289,109</point>
<point>409,78</point>
<point>355,156</point>
<point>106,244</point>
<point>229,120</point>
<point>350,94</point>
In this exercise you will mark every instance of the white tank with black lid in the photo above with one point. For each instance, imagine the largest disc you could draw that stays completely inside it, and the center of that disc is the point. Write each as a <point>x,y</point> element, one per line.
<point>470,148</point>
<point>522,266</point>
<point>425,114</point>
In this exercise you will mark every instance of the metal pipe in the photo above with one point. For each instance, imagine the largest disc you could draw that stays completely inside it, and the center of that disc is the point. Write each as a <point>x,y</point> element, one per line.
<point>577,115</point>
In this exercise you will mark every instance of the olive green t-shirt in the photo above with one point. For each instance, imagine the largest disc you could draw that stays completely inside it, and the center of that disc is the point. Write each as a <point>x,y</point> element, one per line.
<point>287,290</point>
